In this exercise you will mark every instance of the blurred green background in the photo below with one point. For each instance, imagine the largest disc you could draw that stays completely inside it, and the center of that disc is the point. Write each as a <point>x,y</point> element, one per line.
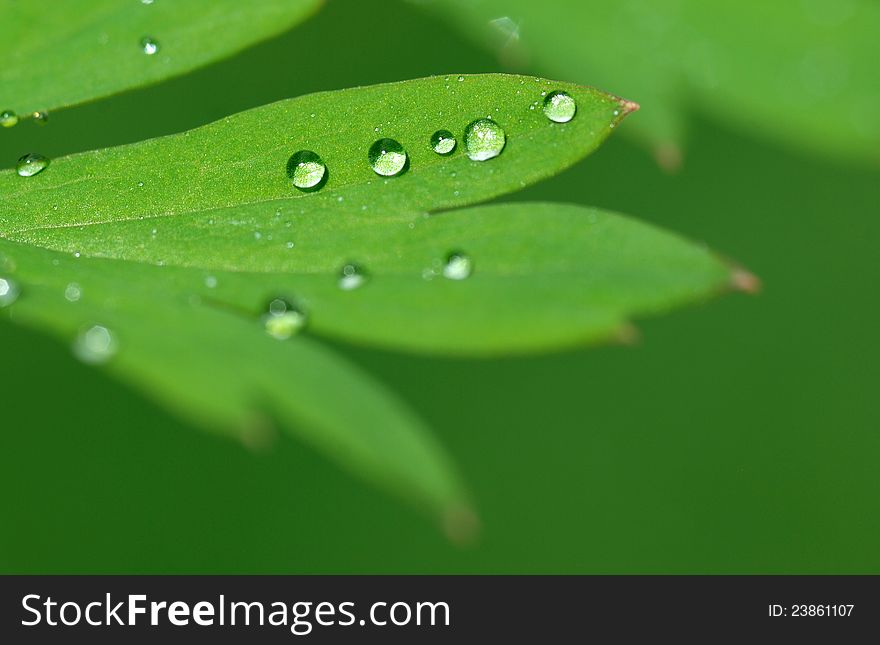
<point>739,436</point>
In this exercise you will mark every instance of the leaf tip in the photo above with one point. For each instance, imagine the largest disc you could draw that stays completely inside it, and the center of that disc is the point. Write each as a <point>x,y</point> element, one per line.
<point>745,281</point>
<point>627,334</point>
<point>461,524</point>
<point>629,106</point>
<point>669,157</point>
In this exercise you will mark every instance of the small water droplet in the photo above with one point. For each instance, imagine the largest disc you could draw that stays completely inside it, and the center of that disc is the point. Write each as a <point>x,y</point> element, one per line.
<point>76,254</point>
<point>283,319</point>
<point>307,170</point>
<point>458,266</point>
<point>41,117</point>
<point>31,164</point>
<point>8,292</point>
<point>484,139</point>
<point>352,276</point>
<point>95,345</point>
<point>289,245</point>
<point>8,118</point>
<point>559,107</point>
<point>149,45</point>
<point>73,292</point>
<point>140,184</point>
<point>460,79</point>
<point>258,235</point>
<point>443,142</point>
<point>210,281</point>
<point>387,158</point>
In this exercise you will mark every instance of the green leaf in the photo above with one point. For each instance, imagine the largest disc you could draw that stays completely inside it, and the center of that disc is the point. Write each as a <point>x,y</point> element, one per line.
<point>177,245</point>
<point>803,72</point>
<point>72,51</point>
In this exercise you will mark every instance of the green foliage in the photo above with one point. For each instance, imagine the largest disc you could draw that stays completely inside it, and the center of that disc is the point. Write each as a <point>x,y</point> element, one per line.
<point>801,71</point>
<point>174,247</point>
<point>70,51</point>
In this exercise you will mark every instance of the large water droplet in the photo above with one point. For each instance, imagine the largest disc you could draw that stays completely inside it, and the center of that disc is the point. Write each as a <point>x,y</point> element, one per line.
<point>484,139</point>
<point>352,276</point>
<point>458,266</point>
<point>8,118</point>
<point>95,345</point>
<point>283,319</point>
<point>443,142</point>
<point>559,107</point>
<point>387,157</point>
<point>8,292</point>
<point>31,164</point>
<point>41,117</point>
<point>149,45</point>
<point>307,170</point>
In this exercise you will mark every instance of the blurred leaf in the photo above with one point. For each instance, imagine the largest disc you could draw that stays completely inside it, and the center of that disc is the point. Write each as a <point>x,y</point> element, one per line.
<point>174,247</point>
<point>217,367</point>
<point>803,70</point>
<point>71,51</point>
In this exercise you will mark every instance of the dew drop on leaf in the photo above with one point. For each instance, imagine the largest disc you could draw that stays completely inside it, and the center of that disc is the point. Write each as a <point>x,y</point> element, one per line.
<point>283,319</point>
<point>31,164</point>
<point>149,45</point>
<point>559,107</point>
<point>387,157</point>
<point>352,276</point>
<point>95,345</point>
<point>8,292</point>
<point>484,139</point>
<point>443,142</point>
<point>72,292</point>
<point>41,117</point>
<point>458,266</point>
<point>8,118</point>
<point>307,170</point>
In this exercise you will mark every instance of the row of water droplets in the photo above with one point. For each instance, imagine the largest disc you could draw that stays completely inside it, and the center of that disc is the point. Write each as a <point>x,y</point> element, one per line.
<point>483,139</point>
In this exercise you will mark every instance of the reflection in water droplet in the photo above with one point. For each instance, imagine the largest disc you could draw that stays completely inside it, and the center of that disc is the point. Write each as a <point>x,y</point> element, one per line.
<point>283,319</point>
<point>149,45</point>
<point>387,157</point>
<point>559,107</point>
<point>458,266</point>
<point>73,292</point>
<point>95,345</point>
<point>307,170</point>
<point>8,292</point>
<point>31,164</point>
<point>352,276</point>
<point>40,117</point>
<point>443,142</point>
<point>483,139</point>
<point>8,118</point>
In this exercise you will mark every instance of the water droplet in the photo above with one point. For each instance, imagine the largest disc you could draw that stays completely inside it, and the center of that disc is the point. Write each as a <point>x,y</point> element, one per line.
<point>8,118</point>
<point>460,79</point>
<point>8,292</point>
<point>73,292</point>
<point>289,245</point>
<point>283,319</point>
<point>458,266</point>
<point>149,45</point>
<point>307,170</point>
<point>95,345</point>
<point>387,158</point>
<point>76,254</point>
<point>41,117</point>
<point>352,276</point>
<point>443,142</point>
<point>484,139</point>
<point>210,281</point>
<point>559,107</point>
<point>31,164</point>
